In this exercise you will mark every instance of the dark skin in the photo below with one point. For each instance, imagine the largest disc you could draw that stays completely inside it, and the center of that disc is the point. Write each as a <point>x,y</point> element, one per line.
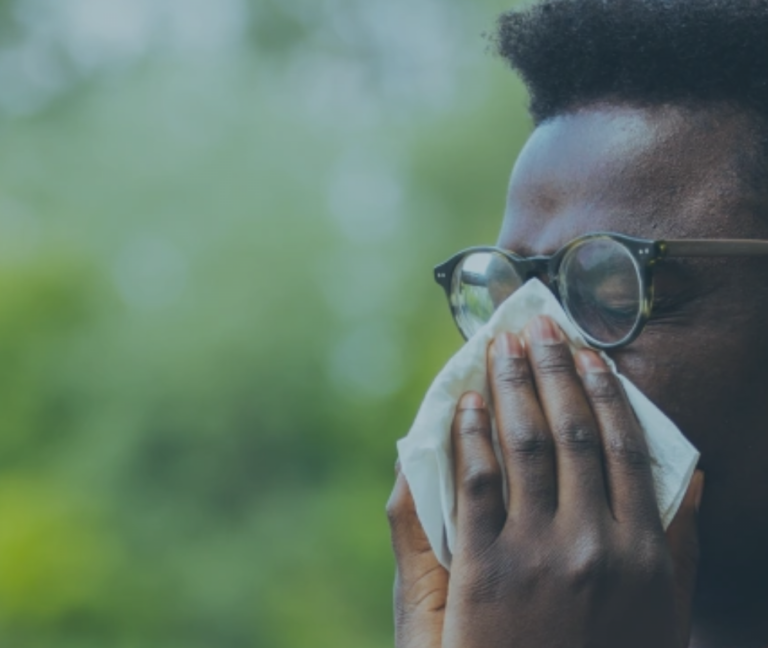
<point>580,558</point>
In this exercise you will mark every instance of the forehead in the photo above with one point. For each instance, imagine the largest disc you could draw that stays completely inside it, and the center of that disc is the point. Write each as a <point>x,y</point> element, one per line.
<point>659,172</point>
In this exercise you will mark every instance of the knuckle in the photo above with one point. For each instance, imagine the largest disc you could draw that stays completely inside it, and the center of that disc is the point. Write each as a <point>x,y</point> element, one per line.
<point>471,427</point>
<point>531,443</point>
<point>513,373</point>
<point>555,360</point>
<point>649,561</point>
<point>629,453</point>
<point>579,436</point>
<point>588,563</point>
<point>536,567</point>
<point>587,572</point>
<point>603,387</point>
<point>649,548</point>
<point>479,482</point>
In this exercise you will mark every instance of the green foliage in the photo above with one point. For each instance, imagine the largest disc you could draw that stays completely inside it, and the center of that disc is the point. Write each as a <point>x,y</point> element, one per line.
<point>216,318</point>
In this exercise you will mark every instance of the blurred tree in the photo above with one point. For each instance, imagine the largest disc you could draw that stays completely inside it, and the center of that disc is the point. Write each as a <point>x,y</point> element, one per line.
<point>217,225</point>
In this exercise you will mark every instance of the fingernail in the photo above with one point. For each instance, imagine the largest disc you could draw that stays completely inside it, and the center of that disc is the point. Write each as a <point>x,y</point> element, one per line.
<point>470,401</point>
<point>698,485</point>
<point>590,362</point>
<point>543,330</point>
<point>508,344</point>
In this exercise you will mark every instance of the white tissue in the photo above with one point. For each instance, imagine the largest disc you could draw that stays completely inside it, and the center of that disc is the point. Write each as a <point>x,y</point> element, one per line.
<point>425,454</point>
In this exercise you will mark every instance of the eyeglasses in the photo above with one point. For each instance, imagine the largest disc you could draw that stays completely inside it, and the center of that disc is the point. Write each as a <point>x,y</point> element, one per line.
<point>604,281</point>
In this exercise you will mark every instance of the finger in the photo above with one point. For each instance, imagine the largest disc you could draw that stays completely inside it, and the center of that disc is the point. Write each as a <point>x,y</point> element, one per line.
<point>627,462</point>
<point>526,442</point>
<point>409,541</point>
<point>683,542</point>
<point>421,582</point>
<point>480,508</point>
<point>578,447</point>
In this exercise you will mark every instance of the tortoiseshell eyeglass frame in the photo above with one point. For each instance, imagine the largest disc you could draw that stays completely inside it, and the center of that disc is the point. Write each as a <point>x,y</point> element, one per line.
<point>646,254</point>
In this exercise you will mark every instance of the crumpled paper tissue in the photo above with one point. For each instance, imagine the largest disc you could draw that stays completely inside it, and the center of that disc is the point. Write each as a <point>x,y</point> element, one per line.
<point>425,453</point>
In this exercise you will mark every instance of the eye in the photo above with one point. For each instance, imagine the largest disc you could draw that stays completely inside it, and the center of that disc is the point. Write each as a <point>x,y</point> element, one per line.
<point>600,284</point>
<point>674,288</point>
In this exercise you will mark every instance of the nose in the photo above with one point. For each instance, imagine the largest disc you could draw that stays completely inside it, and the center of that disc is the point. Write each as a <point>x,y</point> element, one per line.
<point>540,269</point>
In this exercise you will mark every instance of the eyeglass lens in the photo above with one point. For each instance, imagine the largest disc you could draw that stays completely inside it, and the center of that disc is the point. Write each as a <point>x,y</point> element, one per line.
<point>600,288</point>
<point>598,280</point>
<point>481,282</point>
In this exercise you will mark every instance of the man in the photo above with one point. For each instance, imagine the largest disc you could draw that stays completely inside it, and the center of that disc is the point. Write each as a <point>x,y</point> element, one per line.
<point>651,122</point>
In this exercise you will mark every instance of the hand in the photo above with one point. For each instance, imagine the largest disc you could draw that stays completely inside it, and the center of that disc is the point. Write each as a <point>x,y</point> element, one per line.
<point>580,557</point>
<point>421,587</point>
<point>421,582</point>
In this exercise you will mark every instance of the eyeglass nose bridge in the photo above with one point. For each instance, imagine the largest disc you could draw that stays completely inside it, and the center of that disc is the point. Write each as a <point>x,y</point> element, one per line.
<point>540,267</point>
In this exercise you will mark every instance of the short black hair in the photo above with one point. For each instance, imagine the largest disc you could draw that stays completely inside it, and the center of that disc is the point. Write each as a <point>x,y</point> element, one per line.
<point>571,53</point>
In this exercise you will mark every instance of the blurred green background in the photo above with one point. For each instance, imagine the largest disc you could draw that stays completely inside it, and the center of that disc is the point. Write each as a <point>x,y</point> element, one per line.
<point>218,220</point>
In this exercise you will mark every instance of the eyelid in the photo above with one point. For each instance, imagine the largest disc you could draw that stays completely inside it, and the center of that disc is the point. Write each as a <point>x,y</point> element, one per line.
<point>672,299</point>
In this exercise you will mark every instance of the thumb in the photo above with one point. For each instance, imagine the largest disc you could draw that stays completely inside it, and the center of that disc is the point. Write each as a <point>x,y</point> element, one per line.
<point>683,542</point>
<point>421,582</point>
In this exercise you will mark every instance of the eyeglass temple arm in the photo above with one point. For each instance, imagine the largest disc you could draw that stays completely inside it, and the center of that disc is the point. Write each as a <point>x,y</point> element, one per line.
<point>709,247</point>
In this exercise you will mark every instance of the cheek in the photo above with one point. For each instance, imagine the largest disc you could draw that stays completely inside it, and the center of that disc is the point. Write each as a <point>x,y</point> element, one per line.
<point>672,387</point>
<point>709,384</point>
<point>715,388</point>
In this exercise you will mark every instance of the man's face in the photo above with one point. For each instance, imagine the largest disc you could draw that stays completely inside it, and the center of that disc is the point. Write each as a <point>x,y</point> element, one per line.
<point>703,357</point>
